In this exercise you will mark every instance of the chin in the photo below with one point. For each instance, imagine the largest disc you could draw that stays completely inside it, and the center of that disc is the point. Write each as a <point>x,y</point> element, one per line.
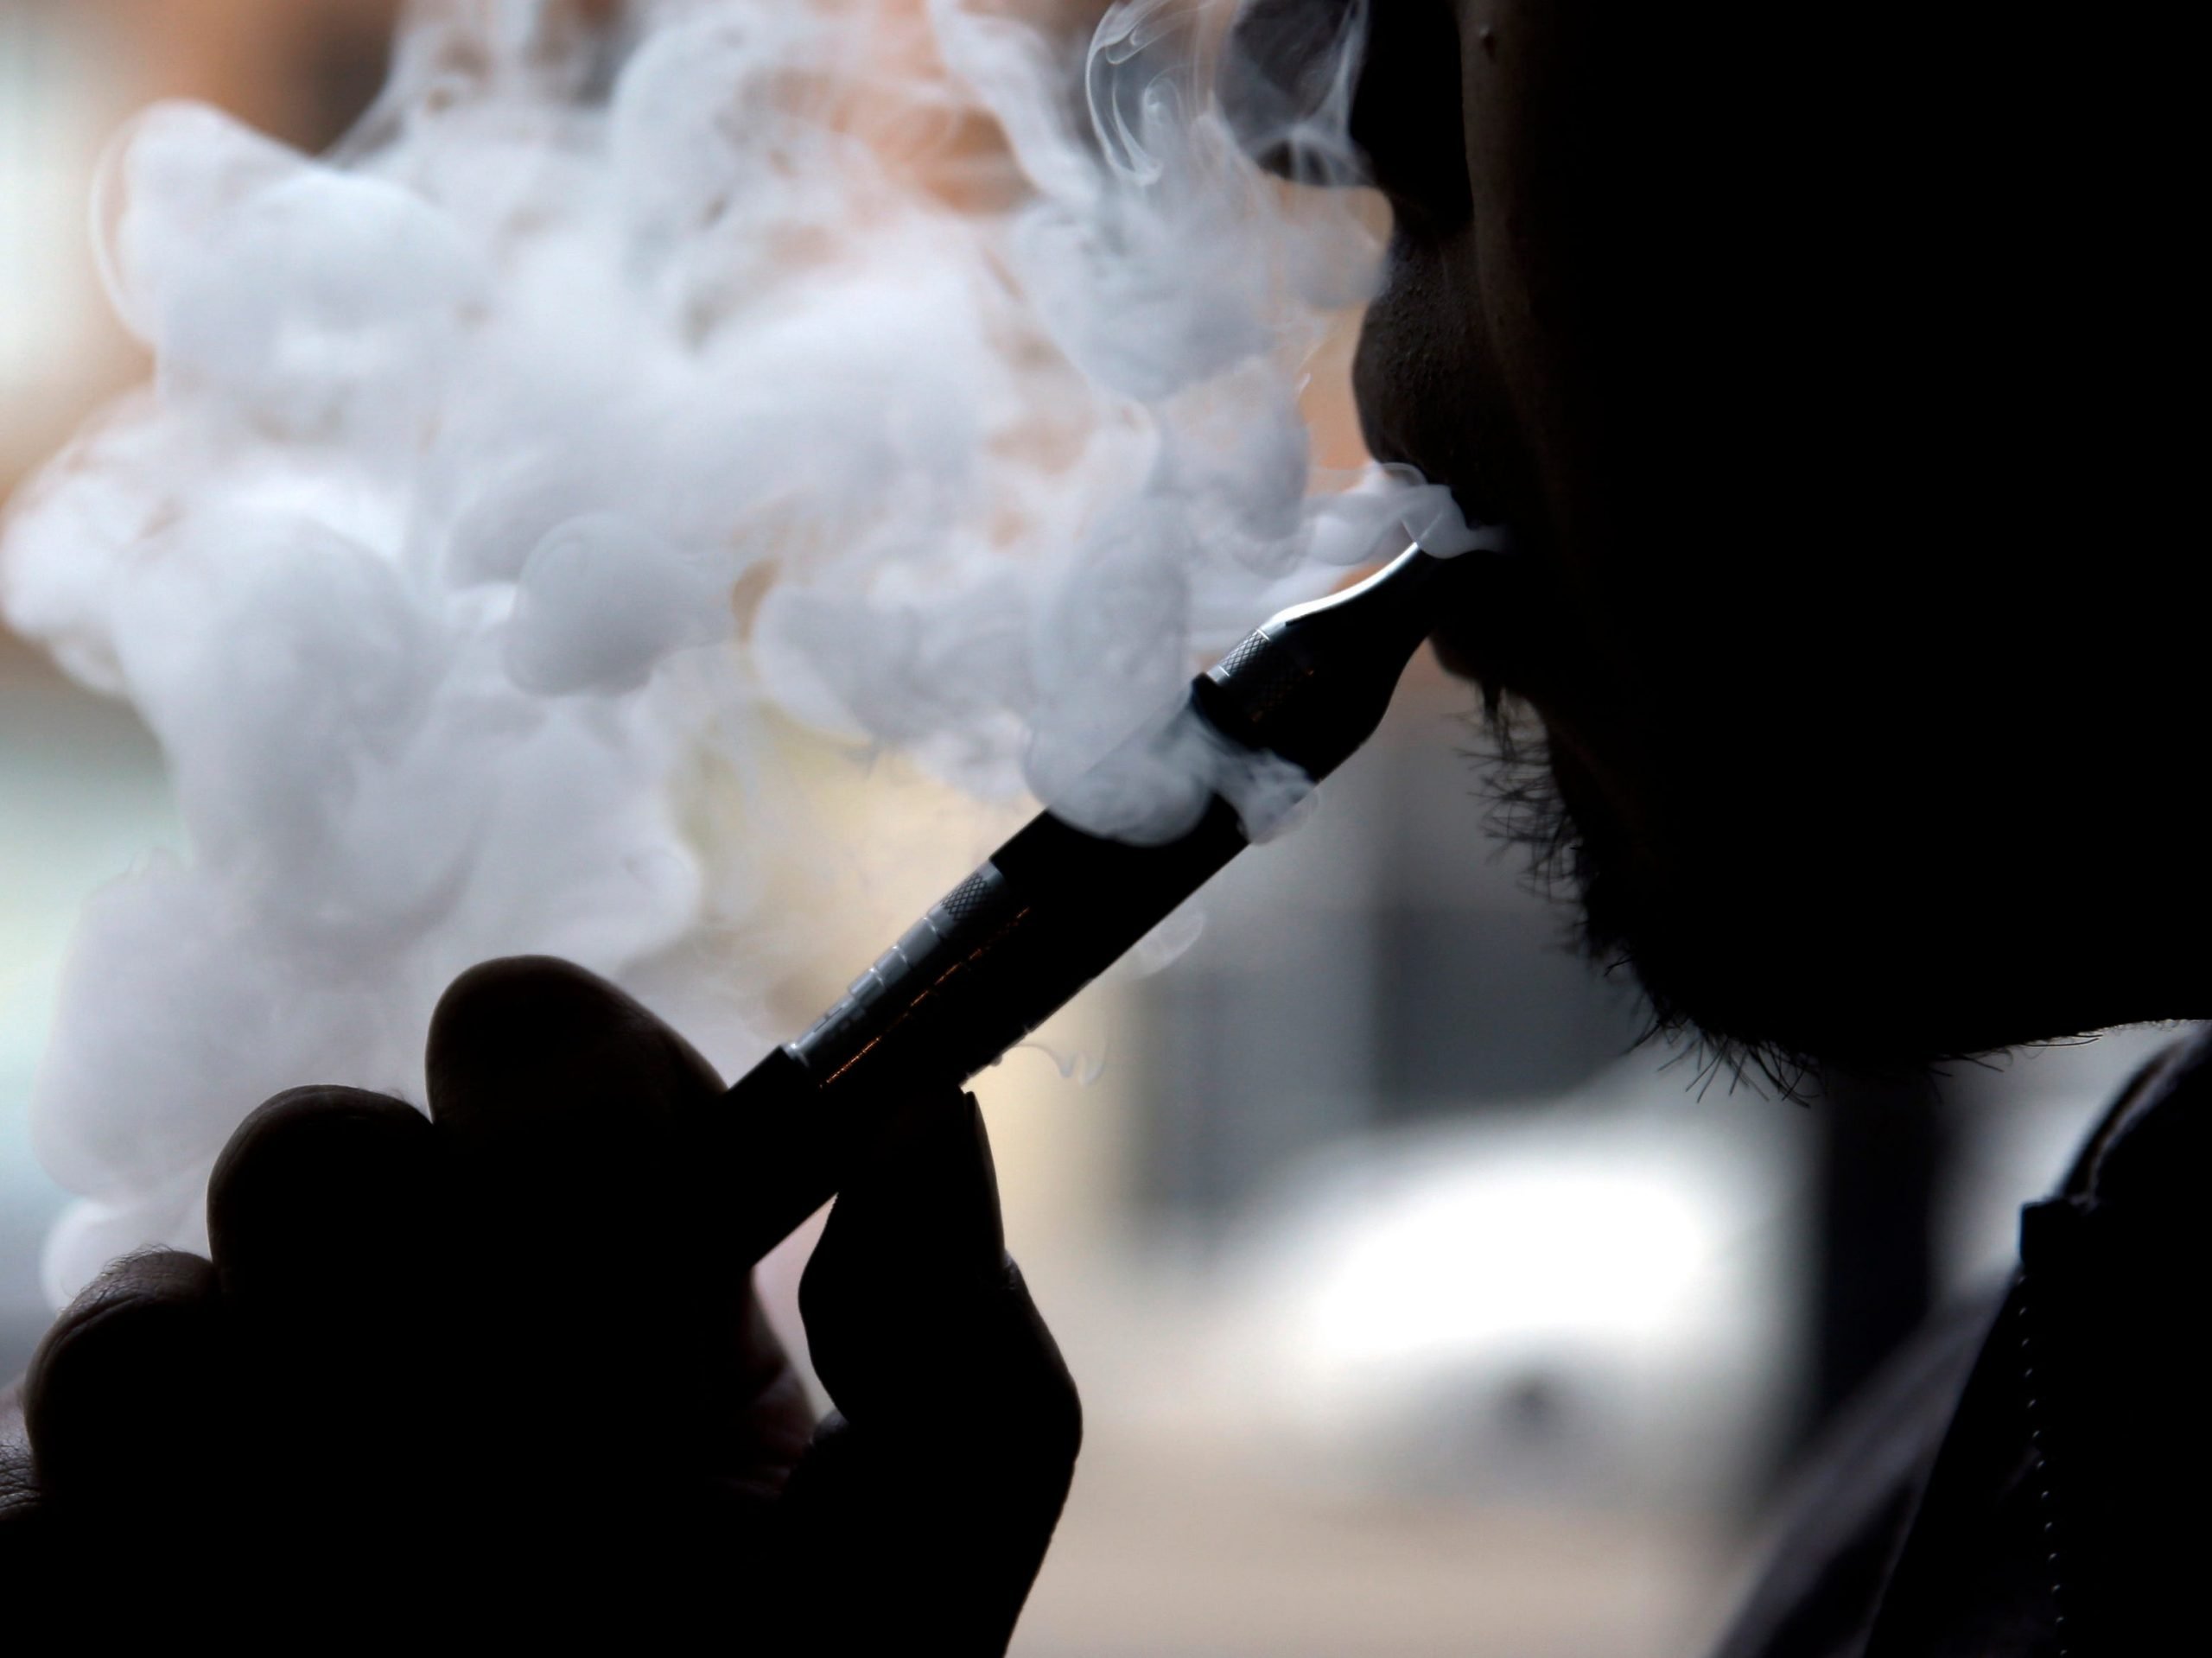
<point>1768,969</point>
<point>1767,982</point>
<point>1768,1008</point>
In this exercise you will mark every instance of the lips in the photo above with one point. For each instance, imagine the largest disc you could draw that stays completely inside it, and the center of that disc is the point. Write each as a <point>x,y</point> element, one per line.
<point>1501,631</point>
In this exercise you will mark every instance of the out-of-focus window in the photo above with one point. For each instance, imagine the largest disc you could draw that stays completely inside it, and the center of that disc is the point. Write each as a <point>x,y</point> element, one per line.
<point>58,96</point>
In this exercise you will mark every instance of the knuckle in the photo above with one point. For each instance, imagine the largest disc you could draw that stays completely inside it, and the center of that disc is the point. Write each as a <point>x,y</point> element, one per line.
<point>307,1127</point>
<point>1054,1412</point>
<point>142,1333</point>
<point>1046,1404</point>
<point>312,1175</point>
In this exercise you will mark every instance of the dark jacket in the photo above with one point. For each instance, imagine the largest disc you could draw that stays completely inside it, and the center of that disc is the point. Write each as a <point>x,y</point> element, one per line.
<point>2033,1481</point>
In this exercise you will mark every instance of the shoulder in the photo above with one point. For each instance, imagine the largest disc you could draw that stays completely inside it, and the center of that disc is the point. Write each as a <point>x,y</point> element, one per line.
<point>2061,1404</point>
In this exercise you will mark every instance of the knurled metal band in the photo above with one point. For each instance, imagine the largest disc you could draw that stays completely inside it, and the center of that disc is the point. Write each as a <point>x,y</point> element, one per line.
<point>980,892</point>
<point>953,926</point>
<point>1258,677</point>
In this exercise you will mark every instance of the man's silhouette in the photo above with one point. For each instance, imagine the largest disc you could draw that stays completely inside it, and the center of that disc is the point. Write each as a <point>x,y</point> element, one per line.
<point>1833,370</point>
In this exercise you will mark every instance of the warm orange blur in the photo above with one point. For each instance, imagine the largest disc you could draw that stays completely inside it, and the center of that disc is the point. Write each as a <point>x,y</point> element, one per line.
<point>79,70</point>
<point>302,73</point>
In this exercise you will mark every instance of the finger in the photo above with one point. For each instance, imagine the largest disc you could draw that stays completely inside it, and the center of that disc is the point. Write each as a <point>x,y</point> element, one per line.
<point>559,1096</point>
<point>940,1481</point>
<point>323,1204</point>
<point>561,1099</point>
<point>533,1042</point>
<point>912,1306</point>
<point>19,1506</point>
<point>323,1222</point>
<point>122,1401</point>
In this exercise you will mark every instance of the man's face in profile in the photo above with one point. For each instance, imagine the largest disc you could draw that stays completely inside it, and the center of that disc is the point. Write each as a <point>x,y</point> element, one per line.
<point>1745,325</point>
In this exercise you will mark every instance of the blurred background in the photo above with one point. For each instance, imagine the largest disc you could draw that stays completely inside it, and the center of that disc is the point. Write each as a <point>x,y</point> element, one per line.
<point>1417,1310</point>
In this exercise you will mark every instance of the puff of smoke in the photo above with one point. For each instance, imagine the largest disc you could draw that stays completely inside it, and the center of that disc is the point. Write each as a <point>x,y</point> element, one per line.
<point>418,554</point>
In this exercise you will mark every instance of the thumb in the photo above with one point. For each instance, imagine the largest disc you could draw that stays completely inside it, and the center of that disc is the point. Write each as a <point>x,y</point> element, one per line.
<point>915,1244</point>
<point>915,1317</point>
<point>937,1484</point>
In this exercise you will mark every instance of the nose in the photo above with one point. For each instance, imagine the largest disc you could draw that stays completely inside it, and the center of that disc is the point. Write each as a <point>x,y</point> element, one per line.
<point>1288,73</point>
<point>1354,92</point>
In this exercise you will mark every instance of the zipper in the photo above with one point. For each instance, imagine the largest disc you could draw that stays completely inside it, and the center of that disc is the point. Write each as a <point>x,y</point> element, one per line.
<point>2034,1391</point>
